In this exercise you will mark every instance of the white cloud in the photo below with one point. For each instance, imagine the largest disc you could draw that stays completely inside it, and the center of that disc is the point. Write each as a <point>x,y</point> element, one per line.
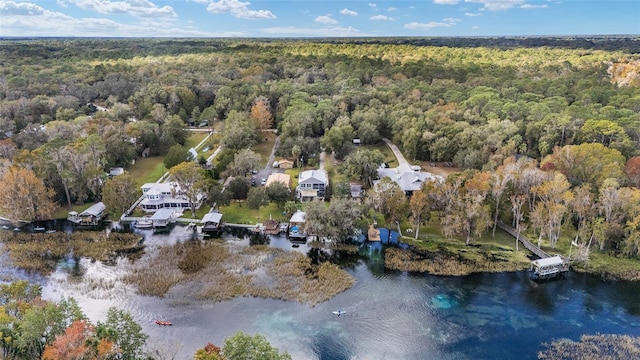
<point>326,32</point>
<point>346,11</point>
<point>529,6</point>
<point>472,14</point>
<point>27,19</point>
<point>325,19</point>
<point>495,5</point>
<point>373,5</point>
<point>380,17</point>
<point>139,8</point>
<point>446,2</point>
<point>447,22</point>
<point>238,9</point>
<point>391,9</point>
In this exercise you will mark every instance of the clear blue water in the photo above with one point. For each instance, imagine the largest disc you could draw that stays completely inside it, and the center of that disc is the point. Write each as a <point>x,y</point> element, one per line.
<point>394,315</point>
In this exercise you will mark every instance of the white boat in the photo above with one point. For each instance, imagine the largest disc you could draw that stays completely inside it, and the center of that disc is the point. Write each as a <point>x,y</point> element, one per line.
<point>5,227</point>
<point>339,312</point>
<point>50,231</point>
<point>144,223</point>
<point>38,228</point>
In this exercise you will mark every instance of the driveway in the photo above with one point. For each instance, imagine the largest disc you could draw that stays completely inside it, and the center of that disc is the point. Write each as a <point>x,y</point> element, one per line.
<point>396,152</point>
<point>268,169</point>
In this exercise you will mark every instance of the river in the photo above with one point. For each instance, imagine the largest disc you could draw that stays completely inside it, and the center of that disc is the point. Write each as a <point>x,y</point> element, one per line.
<point>389,314</point>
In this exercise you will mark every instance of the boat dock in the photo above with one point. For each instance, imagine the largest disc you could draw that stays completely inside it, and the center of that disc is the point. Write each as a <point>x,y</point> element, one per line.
<point>547,266</point>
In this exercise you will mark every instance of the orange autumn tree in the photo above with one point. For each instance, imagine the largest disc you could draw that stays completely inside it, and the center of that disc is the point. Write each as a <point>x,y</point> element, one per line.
<point>23,196</point>
<point>79,342</point>
<point>261,113</point>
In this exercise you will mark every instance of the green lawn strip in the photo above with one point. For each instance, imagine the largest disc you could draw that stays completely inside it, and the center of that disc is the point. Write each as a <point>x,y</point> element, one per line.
<point>63,212</point>
<point>239,213</point>
<point>147,170</point>
<point>264,148</point>
<point>194,139</point>
<point>387,154</point>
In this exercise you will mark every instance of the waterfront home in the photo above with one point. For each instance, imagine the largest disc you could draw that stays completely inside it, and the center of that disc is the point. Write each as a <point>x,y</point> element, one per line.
<point>211,222</point>
<point>296,226</point>
<point>92,216</point>
<point>162,219</point>
<point>312,185</point>
<point>165,195</point>
<point>409,178</point>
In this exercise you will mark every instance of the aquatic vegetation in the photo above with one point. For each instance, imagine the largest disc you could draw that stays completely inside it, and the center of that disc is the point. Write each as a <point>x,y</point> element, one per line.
<point>36,252</point>
<point>601,346</point>
<point>223,271</point>
<point>445,262</point>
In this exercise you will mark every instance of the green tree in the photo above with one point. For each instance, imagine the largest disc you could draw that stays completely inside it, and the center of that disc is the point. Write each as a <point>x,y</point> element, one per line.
<point>189,178</point>
<point>363,165</point>
<point>279,193</point>
<point>339,139</point>
<point>177,154</point>
<point>243,162</point>
<point>239,188</point>
<point>257,197</point>
<point>242,346</point>
<point>119,193</point>
<point>122,330</point>
<point>239,131</point>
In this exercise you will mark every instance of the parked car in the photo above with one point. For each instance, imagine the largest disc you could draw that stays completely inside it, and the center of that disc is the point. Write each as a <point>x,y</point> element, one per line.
<point>263,181</point>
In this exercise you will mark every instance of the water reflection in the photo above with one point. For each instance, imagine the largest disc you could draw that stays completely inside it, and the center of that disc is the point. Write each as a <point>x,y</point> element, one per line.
<point>389,314</point>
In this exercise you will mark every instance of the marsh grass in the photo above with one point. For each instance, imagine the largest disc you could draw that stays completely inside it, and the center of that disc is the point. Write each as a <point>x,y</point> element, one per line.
<point>41,252</point>
<point>593,347</point>
<point>216,271</point>
<point>451,256</point>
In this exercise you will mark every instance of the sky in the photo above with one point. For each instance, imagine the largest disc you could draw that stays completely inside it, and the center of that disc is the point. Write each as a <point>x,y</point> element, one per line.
<point>317,18</point>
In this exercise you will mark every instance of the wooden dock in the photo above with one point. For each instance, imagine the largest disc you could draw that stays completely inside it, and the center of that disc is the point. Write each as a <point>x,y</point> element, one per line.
<point>547,266</point>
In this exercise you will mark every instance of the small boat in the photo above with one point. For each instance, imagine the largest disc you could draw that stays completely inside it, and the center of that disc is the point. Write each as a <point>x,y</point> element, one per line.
<point>144,223</point>
<point>339,312</point>
<point>5,227</point>
<point>50,231</point>
<point>16,229</point>
<point>38,228</point>
<point>163,323</point>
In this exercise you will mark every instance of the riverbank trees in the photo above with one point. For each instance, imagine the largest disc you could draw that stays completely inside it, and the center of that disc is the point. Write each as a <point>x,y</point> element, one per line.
<point>33,328</point>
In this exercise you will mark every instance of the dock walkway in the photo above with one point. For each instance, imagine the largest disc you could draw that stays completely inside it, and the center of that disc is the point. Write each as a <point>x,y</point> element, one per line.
<point>548,266</point>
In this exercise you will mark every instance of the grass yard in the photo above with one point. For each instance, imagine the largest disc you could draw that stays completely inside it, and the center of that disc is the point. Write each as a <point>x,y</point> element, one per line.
<point>264,148</point>
<point>147,170</point>
<point>239,213</point>
<point>194,139</point>
<point>387,154</point>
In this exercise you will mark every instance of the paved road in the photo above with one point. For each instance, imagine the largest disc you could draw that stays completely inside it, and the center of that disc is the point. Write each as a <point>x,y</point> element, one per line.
<point>268,169</point>
<point>396,152</point>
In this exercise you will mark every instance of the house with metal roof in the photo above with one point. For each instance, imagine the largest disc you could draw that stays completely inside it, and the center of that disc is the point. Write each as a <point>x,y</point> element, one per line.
<point>211,222</point>
<point>409,178</point>
<point>92,216</point>
<point>312,185</point>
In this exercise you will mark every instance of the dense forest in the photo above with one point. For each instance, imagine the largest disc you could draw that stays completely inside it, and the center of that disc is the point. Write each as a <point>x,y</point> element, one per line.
<point>566,105</point>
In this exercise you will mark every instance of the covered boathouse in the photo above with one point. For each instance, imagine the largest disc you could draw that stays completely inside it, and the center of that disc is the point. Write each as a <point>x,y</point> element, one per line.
<point>549,267</point>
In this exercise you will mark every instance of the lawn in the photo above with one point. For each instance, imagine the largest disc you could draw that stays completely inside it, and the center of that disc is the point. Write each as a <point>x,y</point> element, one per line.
<point>239,213</point>
<point>387,154</point>
<point>147,170</point>
<point>264,148</point>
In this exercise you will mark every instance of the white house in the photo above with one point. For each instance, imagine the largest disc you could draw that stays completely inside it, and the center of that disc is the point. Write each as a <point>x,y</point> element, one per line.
<point>409,178</point>
<point>164,195</point>
<point>312,185</point>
